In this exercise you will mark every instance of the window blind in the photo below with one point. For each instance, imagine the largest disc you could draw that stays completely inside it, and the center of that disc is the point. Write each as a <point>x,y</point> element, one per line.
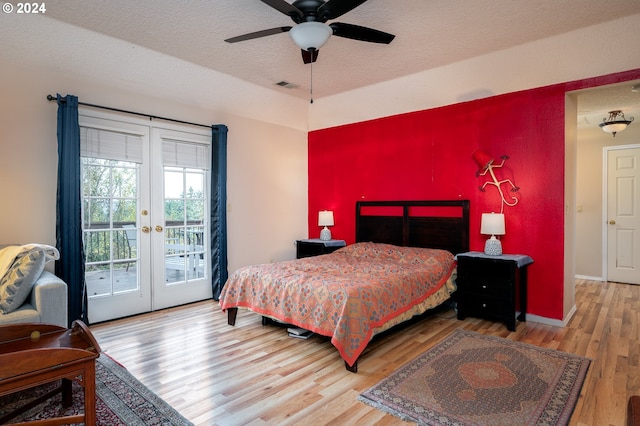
<point>110,145</point>
<point>185,154</point>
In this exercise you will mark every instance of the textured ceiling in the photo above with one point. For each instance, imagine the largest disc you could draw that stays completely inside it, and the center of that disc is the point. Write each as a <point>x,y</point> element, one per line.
<point>594,104</point>
<point>429,34</point>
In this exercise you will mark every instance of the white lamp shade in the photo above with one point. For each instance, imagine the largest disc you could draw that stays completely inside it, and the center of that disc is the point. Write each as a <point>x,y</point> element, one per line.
<point>325,218</point>
<point>614,127</point>
<point>492,224</point>
<point>310,35</point>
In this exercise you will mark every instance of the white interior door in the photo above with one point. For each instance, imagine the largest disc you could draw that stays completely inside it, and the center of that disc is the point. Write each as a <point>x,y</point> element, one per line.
<point>145,194</point>
<point>623,215</point>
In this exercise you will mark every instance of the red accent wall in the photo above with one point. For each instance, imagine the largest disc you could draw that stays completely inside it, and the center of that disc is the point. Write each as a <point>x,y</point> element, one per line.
<point>427,155</point>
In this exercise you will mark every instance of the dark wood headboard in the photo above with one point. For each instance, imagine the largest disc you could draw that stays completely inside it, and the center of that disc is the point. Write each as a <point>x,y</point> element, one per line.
<point>441,224</point>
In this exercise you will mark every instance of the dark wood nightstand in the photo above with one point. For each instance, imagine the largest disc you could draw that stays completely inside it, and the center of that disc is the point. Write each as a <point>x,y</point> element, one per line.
<point>316,247</point>
<point>491,286</point>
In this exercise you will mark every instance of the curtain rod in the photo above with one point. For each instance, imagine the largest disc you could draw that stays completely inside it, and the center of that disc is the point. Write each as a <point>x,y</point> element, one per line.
<point>151,117</point>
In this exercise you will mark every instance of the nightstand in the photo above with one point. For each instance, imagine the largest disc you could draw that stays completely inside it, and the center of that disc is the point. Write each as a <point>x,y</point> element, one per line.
<point>491,286</point>
<point>316,247</point>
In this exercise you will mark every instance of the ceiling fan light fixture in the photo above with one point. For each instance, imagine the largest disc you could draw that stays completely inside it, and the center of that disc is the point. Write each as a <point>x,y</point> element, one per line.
<point>310,35</point>
<point>616,122</point>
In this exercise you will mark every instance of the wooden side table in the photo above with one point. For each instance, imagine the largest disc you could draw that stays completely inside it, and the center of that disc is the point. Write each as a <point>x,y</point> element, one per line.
<point>36,354</point>
<point>492,286</point>
<point>316,247</point>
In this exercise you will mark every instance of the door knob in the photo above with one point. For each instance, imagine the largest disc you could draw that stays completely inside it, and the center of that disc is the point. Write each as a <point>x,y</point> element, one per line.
<point>612,222</point>
<point>145,229</point>
<point>158,228</point>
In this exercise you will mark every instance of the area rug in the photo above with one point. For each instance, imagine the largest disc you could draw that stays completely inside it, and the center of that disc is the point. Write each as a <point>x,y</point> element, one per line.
<point>472,379</point>
<point>121,400</point>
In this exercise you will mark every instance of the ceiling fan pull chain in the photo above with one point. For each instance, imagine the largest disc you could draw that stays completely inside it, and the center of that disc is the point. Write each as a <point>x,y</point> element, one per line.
<point>311,85</point>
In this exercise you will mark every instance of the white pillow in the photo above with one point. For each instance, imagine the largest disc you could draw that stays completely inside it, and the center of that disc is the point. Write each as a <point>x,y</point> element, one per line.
<point>17,283</point>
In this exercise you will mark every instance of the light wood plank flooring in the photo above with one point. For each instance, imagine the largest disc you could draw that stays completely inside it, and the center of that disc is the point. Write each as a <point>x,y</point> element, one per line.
<point>250,374</point>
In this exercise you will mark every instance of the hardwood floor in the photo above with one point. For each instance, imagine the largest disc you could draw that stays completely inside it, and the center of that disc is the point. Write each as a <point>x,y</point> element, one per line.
<point>251,374</point>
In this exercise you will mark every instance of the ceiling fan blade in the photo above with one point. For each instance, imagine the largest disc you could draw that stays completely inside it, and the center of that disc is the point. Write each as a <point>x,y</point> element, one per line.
<point>284,7</point>
<point>357,32</point>
<point>309,56</point>
<point>336,8</point>
<point>258,34</point>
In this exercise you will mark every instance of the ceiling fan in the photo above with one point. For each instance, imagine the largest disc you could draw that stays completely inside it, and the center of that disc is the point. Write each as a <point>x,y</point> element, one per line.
<point>311,30</point>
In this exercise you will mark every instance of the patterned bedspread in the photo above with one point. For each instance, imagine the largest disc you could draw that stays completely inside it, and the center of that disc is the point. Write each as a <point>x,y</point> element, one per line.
<point>346,294</point>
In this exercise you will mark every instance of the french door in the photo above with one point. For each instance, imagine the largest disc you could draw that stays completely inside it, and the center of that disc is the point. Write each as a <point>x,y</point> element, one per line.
<point>145,192</point>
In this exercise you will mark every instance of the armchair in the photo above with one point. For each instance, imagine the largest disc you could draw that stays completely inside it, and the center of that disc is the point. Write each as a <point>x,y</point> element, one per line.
<point>29,293</point>
<point>46,304</point>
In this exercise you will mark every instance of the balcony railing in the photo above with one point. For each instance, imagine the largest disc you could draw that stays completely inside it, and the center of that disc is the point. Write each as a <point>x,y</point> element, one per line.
<point>112,257</point>
<point>103,243</point>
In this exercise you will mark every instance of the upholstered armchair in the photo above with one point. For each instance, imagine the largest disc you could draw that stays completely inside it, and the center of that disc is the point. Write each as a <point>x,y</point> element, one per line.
<point>28,292</point>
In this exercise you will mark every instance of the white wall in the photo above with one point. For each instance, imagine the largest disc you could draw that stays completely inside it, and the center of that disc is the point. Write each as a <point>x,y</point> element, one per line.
<point>267,155</point>
<point>593,51</point>
<point>570,147</point>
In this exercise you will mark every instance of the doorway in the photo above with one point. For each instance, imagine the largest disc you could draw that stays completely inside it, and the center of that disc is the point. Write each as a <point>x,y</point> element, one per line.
<point>145,193</point>
<point>590,246</point>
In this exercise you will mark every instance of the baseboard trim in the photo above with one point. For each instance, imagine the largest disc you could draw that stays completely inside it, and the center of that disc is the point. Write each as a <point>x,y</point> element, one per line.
<point>589,278</point>
<point>551,321</point>
<point>570,314</point>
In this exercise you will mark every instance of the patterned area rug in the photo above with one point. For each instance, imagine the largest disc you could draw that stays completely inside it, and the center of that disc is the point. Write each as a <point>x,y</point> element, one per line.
<point>472,379</point>
<point>121,400</point>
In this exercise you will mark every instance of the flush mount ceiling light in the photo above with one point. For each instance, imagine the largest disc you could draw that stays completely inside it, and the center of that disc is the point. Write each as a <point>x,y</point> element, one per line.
<point>616,122</point>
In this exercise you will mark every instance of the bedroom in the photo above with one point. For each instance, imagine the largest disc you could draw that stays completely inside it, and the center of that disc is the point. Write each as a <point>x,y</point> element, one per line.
<point>259,137</point>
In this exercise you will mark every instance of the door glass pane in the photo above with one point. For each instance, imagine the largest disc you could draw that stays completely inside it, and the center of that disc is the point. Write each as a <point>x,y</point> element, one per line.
<point>195,184</point>
<point>124,211</point>
<point>173,185</point>
<point>109,218</point>
<point>94,176</point>
<point>96,212</point>
<point>185,212</point>
<point>195,211</point>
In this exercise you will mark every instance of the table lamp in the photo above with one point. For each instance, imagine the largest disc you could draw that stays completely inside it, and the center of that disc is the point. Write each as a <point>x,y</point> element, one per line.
<point>492,224</point>
<point>325,218</point>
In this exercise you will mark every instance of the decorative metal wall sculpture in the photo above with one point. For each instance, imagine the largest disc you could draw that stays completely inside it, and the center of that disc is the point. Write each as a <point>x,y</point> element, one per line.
<point>487,165</point>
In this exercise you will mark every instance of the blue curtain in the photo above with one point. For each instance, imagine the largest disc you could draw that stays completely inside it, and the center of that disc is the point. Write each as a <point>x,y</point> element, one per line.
<point>219,272</point>
<point>70,266</point>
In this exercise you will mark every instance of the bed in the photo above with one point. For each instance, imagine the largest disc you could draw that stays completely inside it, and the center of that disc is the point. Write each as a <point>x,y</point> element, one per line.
<point>401,265</point>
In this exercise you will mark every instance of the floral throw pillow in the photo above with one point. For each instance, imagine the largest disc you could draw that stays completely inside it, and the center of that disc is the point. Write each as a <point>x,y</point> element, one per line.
<point>17,283</point>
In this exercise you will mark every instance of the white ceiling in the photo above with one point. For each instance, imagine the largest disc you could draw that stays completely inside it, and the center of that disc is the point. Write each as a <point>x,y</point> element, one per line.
<point>429,34</point>
<point>594,104</point>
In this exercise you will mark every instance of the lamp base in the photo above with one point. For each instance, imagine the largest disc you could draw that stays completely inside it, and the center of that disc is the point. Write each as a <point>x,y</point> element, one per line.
<point>325,234</point>
<point>493,246</point>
